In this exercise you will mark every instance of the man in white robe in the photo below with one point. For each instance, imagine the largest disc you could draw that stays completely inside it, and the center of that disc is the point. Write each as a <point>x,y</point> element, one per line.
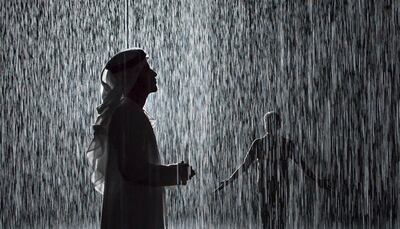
<point>132,177</point>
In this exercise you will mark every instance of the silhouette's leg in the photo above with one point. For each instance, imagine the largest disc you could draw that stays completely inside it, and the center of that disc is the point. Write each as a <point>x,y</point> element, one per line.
<point>265,212</point>
<point>281,213</point>
<point>270,211</point>
<point>265,216</point>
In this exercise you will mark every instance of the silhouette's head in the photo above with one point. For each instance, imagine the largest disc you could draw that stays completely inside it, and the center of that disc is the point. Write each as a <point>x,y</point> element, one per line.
<point>146,83</point>
<point>272,122</point>
<point>130,71</point>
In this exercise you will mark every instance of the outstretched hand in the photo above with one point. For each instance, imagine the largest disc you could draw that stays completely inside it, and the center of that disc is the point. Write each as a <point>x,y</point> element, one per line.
<point>185,172</point>
<point>222,184</point>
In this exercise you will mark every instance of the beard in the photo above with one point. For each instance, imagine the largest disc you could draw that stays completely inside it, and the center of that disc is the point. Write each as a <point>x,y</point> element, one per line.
<point>154,88</point>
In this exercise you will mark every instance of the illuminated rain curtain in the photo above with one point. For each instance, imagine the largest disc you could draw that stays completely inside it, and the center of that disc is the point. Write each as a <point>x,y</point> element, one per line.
<point>331,68</point>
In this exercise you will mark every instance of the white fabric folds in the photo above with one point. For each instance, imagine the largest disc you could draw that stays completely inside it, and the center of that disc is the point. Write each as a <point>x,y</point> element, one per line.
<point>117,79</point>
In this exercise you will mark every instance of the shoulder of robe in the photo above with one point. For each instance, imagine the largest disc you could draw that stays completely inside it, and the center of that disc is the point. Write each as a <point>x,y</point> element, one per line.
<point>263,140</point>
<point>257,141</point>
<point>131,115</point>
<point>258,145</point>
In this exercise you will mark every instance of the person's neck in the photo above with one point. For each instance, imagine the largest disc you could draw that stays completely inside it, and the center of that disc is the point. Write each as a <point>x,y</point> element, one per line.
<point>139,99</point>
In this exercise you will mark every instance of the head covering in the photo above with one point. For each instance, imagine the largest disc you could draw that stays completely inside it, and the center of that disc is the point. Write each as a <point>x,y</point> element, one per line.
<point>117,79</point>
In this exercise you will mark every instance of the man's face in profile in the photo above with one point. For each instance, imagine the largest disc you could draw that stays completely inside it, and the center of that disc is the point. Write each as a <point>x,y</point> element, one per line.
<point>149,78</point>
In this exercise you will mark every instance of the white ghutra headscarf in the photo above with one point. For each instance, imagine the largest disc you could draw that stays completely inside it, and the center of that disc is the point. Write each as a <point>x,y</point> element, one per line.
<point>117,78</point>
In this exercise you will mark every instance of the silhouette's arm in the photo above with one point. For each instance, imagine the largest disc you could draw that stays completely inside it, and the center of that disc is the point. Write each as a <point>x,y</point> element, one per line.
<point>248,160</point>
<point>299,160</point>
<point>309,173</point>
<point>322,183</point>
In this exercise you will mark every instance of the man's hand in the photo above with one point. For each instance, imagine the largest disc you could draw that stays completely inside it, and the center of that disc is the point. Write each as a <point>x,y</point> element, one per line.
<point>185,172</point>
<point>222,184</point>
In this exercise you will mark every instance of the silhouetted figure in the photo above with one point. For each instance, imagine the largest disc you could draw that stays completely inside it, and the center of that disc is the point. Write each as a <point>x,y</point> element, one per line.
<point>272,152</point>
<point>124,152</point>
